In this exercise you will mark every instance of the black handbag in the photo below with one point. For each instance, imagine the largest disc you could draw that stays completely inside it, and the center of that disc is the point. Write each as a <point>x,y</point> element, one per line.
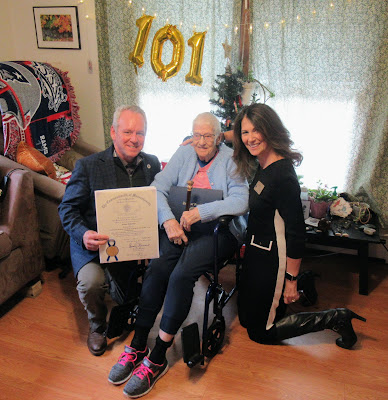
<point>177,198</point>
<point>122,317</point>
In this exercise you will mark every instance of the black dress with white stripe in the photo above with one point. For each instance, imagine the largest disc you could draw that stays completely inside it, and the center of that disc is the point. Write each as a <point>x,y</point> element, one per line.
<point>276,230</point>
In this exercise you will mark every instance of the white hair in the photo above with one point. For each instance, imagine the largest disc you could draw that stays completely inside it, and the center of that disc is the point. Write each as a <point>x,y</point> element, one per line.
<point>209,119</point>
<point>135,109</point>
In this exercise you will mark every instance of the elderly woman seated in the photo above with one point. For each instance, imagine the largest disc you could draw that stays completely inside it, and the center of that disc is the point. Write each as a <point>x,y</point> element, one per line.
<point>171,278</point>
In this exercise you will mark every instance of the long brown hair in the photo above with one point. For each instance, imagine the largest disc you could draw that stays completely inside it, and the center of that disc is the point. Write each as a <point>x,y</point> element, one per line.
<point>267,122</point>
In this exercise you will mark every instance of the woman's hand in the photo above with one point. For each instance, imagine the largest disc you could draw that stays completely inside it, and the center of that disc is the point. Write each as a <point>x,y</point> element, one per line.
<point>174,232</point>
<point>290,294</point>
<point>189,218</point>
<point>92,240</point>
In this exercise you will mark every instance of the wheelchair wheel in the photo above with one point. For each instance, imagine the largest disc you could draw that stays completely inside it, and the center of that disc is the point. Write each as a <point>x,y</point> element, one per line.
<point>214,337</point>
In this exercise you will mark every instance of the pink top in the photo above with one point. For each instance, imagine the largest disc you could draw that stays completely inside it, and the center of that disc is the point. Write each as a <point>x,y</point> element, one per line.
<point>201,180</point>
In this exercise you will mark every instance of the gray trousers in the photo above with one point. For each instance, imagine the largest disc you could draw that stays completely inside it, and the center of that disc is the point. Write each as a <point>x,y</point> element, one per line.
<point>92,286</point>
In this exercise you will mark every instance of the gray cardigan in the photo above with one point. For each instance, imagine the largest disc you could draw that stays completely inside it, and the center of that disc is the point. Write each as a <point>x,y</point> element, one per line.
<point>184,165</point>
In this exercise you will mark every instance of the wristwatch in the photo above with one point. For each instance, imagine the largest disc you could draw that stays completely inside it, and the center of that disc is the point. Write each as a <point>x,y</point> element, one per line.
<point>291,277</point>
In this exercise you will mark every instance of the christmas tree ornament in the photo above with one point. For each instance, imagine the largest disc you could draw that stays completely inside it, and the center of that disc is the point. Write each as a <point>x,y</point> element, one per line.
<point>136,56</point>
<point>197,42</point>
<point>171,33</point>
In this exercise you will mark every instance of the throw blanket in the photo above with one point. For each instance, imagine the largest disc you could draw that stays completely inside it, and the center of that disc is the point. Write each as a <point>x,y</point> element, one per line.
<point>38,106</point>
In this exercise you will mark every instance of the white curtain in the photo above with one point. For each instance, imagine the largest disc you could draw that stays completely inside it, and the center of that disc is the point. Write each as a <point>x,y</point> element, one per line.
<point>319,57</point>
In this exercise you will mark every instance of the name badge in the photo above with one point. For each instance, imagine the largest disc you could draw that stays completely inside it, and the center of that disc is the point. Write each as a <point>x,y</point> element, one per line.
<point>259,187</point>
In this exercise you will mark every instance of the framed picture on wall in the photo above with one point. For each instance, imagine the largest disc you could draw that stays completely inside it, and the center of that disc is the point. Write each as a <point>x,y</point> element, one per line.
<point>57,27</point>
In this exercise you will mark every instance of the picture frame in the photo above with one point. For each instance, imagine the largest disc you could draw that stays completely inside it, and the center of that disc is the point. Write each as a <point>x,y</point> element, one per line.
<point>57,27</point>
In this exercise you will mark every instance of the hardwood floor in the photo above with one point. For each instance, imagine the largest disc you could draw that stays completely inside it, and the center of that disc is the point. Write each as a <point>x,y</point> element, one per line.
<point>43,353</point>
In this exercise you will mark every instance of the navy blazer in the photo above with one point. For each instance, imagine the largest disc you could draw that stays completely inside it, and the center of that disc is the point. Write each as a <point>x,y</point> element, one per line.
<point>77,209</point>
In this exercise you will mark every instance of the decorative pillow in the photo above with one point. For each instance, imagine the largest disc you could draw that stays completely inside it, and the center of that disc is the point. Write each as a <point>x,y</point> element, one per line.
<point>63,174</point>
<point>35,160</point>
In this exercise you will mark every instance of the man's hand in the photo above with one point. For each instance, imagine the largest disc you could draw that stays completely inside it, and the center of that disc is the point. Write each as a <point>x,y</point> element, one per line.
<point>189,218</point>
<point>92,240</point>
<point>174,232</point>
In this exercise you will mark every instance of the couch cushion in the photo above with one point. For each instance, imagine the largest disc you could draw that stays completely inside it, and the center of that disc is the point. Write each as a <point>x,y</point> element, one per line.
<point>35,160</point>
<point>5,245</point>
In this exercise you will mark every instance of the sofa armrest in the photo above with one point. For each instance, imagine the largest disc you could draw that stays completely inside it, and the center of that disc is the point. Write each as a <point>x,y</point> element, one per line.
<point>42,183</point>
<point>18,217</point>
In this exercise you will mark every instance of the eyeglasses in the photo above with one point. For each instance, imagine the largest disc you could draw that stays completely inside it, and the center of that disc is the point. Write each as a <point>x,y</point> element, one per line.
<point>208,137</point>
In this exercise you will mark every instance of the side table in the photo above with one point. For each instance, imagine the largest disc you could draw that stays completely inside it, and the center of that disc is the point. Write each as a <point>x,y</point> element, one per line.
<point>357,240</point>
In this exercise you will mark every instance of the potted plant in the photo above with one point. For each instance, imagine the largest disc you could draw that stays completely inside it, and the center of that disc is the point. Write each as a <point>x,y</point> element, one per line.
<point>320,200</point>
<point>253,90</point>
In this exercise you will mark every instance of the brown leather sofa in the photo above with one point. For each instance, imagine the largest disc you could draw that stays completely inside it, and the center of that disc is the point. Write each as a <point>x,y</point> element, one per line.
<point>48,194</point>
<point>21,256</point>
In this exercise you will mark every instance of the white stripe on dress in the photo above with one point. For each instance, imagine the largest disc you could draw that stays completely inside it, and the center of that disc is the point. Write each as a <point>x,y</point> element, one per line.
<point>282,255</point>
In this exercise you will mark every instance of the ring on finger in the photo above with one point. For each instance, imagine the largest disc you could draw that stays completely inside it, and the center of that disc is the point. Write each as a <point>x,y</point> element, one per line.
<point>293,300</point>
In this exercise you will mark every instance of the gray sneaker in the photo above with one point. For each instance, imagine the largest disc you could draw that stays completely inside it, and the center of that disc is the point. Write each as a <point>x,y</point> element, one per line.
<point>126,364</point>
<point>144,378</point>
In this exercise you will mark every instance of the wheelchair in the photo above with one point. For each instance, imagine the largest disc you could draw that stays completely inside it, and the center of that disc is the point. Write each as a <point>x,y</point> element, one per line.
<point>214,334</point>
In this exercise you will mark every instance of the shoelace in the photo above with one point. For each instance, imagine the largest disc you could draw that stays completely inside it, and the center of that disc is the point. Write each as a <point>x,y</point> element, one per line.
<point>127,357</point>
<point>143,371</point>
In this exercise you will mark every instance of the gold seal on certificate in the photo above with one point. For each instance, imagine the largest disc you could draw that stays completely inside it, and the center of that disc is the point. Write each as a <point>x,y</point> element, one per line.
<point>129,217</point>
<point>112,250</point>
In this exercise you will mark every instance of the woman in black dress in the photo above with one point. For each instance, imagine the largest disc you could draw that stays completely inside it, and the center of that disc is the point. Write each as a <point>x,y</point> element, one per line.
<point>275,235</point>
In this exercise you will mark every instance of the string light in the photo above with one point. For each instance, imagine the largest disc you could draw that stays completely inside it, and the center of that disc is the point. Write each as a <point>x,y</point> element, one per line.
<point>236,28</point>
<point>80,1</point>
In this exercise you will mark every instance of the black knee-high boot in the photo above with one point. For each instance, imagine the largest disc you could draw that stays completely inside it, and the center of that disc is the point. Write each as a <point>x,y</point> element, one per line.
<point>338,320</point>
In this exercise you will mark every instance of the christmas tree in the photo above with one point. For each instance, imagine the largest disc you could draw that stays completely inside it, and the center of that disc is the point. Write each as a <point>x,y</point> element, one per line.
<point>228,88</point>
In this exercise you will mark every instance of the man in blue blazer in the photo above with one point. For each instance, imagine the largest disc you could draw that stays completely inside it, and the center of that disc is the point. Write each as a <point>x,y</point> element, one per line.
<point>121,165</point>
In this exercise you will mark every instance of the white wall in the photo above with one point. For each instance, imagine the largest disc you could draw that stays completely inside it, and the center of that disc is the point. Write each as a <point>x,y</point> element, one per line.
<point>17,31</point>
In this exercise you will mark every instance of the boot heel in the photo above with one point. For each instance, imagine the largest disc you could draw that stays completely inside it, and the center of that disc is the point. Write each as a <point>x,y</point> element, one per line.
<point>354,315</point>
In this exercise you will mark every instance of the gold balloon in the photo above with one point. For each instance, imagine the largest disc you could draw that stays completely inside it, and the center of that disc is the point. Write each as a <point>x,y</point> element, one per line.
<point>197,42</point>
<point>168,32</point>
<point>136,56</point>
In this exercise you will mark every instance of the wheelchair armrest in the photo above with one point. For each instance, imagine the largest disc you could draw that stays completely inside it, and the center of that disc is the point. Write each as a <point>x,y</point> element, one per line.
<point>224,220</point>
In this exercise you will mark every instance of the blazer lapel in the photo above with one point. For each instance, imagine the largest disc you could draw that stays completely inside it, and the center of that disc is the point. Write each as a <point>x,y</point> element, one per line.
<point>106,169</point>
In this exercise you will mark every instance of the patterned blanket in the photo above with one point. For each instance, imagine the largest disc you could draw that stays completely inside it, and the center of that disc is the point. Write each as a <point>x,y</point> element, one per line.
<point>37,106</point>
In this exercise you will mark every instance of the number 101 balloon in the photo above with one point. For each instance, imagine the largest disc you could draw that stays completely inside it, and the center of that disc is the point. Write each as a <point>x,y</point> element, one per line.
<point>168,32</point>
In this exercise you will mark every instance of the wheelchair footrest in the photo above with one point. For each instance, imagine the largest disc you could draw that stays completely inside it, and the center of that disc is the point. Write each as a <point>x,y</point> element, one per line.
<point>191,345</point>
